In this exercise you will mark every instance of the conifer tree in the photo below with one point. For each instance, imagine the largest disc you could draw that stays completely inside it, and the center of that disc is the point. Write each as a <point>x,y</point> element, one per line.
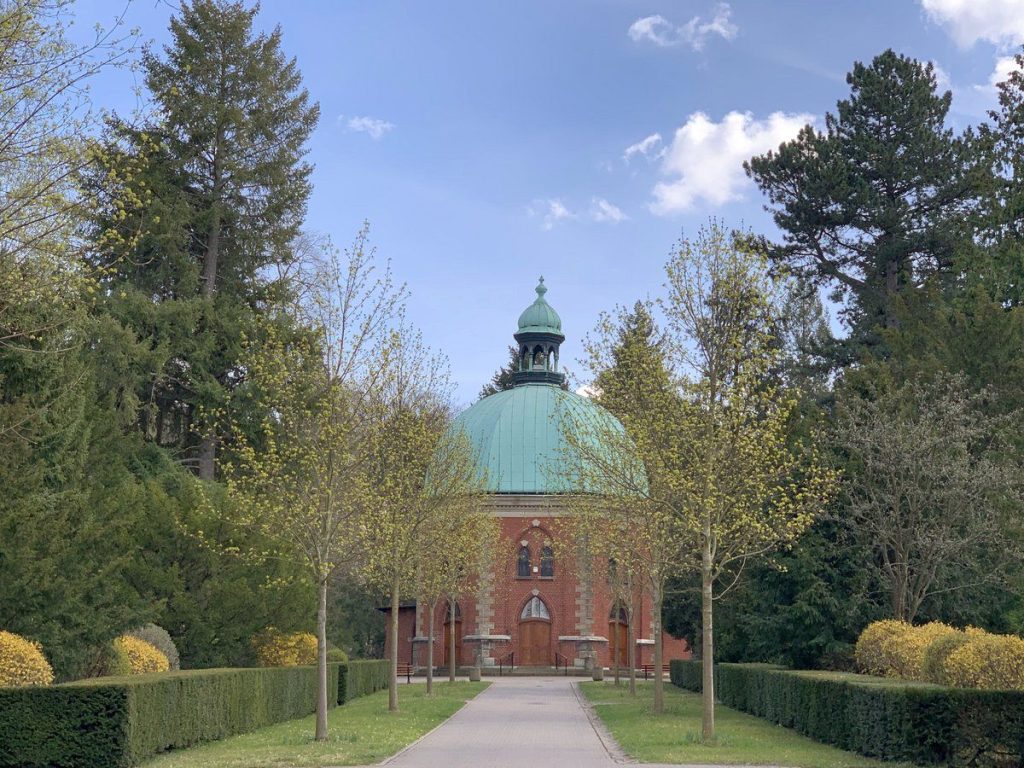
<point>225,153</point>
<point>877,201</point>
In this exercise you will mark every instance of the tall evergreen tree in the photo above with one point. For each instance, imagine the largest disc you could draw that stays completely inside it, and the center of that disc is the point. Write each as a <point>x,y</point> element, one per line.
<point>225,164</point>
<point>878,200</point>
<point>1002,271</point>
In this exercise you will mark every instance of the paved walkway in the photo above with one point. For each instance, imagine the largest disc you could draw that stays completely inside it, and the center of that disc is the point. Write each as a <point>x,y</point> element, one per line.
<point>533,722</point>
<point>518,722</point>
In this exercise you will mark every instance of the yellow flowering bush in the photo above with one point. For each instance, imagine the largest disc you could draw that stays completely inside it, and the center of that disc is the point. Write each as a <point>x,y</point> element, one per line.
<point>137,657</point>
<point>987,661</point>
<point>892,648</point>
<point>277,649</point>
<point>22,662</point>
<point>906,651</point>
<point>875,644</point>
<point>933,668</point>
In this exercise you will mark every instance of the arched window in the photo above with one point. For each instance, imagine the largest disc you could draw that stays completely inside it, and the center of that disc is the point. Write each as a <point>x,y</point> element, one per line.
<point>547,562</point>
<point>535,609</point>
<point>448,614</point>
<point>613,569</point>
<point>523,562</point>
<point>618,613</point>
<point>524,359</point>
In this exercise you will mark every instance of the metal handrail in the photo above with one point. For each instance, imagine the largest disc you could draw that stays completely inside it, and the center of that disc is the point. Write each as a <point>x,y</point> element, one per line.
<point>565,663</point>
<point>511,656</point>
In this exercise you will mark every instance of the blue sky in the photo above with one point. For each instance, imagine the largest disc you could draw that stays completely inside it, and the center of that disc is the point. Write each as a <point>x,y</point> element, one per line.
<point>491,142</point>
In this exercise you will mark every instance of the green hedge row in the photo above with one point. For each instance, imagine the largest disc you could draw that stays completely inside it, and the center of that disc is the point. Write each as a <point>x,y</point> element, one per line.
<point>887,719</point>
<point>358,678</point>
<point>121,721</point>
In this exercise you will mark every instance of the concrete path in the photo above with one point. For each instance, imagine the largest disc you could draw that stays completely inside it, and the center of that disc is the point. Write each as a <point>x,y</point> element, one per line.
<point>518,722</point>
<point>533,722</point>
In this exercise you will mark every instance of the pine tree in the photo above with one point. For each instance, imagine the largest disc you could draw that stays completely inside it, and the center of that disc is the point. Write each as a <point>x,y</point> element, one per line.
<point>879,200</point>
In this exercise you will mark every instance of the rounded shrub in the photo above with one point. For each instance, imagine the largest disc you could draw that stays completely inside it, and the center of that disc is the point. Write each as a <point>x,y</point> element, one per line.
<point>905,651</point>
<point>994,662</point>
<point>22,662</point>
<point>875,644</point>
<point>337,655</point>
<point>137,657</point>
<point>933,668</point>
<point>158,637</point>
<point>278,649</point>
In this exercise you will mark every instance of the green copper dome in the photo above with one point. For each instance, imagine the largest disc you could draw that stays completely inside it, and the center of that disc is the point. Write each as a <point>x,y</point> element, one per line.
<point>540,317</point>
<point>518,438</point>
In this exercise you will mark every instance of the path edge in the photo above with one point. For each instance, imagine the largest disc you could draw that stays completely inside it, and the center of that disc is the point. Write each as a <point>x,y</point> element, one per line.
<point>611,746</point>
<point>411,744</point>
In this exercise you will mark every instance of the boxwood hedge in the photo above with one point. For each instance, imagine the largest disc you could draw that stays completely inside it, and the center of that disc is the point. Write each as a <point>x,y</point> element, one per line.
<point>121,721</point>
<point>887,719</point>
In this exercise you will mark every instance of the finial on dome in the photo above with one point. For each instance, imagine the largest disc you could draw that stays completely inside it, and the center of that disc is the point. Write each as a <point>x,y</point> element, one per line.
<point>541,288</point>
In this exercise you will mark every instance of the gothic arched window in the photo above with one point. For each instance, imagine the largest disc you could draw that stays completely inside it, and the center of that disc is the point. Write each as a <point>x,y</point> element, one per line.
<point>523,562</point>
<point>535,609</point>
<point>547,562</point>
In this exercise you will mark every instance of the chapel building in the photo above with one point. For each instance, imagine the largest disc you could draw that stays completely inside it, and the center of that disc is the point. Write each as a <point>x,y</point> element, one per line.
<point>538,608</point>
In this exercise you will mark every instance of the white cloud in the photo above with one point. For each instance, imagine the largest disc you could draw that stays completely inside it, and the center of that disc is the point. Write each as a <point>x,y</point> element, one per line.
<point>1000,22</point>
<point>552,211</point>
<point>1000,73</point>
<point>705,159</point>
<point>603,211</point>
<point>646,147</point>
<point>694,33</point>
<point>374,127</point>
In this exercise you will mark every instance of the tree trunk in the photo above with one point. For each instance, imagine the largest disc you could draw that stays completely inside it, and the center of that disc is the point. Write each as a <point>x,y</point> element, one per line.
<point>393,676</point>
<point>615,648</point>
<point>631,641</point>
<point>321,662</point>
<point>208,456</point>
<point>659,681</point>
<point>452,661</point>
<point>212,254</point>
<point>430,649</point>
<point>708,649</point>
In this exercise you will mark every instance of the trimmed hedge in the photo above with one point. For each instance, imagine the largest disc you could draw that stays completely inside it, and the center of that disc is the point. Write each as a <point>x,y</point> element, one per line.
<point>121,721</point>
<point>891,720</point>
<point>358,678</point>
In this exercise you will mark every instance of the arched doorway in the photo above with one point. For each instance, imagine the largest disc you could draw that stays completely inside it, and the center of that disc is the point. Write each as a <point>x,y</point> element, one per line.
<point>618,635</point>
<point>449,627</point>
<point>534,634</point>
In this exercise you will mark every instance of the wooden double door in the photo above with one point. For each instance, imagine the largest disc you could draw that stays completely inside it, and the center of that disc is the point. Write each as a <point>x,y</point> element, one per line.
<point>534,643</point>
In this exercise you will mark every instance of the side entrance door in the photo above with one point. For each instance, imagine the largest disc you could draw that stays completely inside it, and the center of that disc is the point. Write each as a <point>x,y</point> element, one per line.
<point>448,642</point>
<point>618,639</point>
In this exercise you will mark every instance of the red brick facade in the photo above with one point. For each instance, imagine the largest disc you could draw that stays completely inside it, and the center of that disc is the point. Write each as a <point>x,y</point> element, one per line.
<point>578,605</point>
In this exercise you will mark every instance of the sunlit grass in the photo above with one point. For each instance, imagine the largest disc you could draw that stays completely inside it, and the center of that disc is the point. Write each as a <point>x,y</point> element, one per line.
<point>361,732</point>
<point>674,736</point>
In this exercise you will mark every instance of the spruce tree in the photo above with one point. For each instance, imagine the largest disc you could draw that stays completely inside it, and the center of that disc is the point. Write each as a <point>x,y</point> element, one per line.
<point>224,162</point>
<point>877,201</point>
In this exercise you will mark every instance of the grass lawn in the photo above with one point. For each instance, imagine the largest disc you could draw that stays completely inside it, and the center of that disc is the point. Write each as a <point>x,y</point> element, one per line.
<point>361,732</point>
<point>674,736</point>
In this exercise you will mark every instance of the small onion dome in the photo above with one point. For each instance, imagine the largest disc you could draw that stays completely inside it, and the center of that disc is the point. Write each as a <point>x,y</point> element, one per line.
<point>540,317</point>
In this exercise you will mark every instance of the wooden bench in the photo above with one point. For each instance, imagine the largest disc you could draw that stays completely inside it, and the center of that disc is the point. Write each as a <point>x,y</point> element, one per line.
<point>404,668</point>
<point>648,669</point>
